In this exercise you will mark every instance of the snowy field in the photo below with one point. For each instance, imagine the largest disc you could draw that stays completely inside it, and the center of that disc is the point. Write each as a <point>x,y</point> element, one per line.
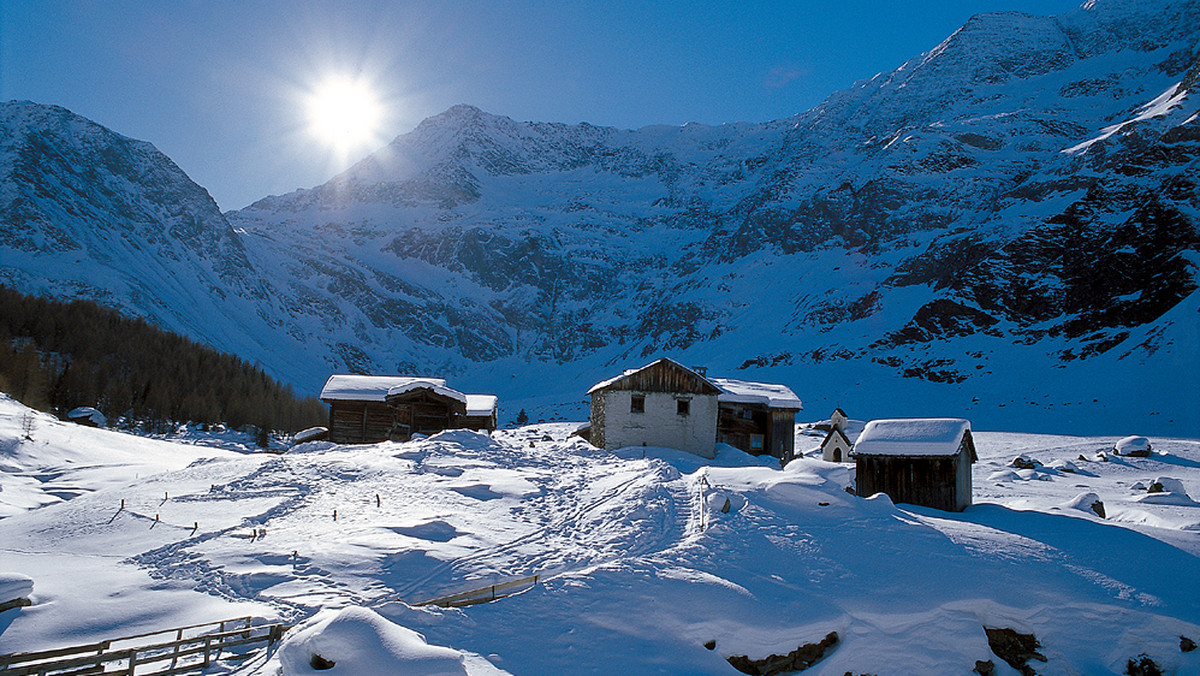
<point>650,562</point>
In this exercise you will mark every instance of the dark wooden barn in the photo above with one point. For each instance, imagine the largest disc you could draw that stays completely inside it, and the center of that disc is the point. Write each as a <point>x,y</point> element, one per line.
<point>758,418</point>
<point>370,409</point>
<point>918,461</point>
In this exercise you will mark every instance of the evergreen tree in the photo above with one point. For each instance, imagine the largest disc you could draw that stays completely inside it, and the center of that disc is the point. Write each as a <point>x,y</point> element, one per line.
<point>56,356</point>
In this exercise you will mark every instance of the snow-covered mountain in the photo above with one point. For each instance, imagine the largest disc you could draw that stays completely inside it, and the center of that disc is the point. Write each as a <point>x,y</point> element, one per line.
<point>1005,227</point>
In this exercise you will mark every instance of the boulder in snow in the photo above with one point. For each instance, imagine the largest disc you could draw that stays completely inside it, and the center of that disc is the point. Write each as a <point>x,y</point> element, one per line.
<point>311,434</point>
<point>1088,502</point>
<point>1166,490</point>
<point>14,590</point>
<point>359,641</point>
<point>1064,466</point>
<point>1025,462</point>
<point>86,415</point>
<point>1134,446</point>
<point>1166,484</point>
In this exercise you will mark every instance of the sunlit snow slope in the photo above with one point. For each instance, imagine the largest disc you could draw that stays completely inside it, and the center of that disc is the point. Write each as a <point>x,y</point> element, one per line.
<point>640,564</point>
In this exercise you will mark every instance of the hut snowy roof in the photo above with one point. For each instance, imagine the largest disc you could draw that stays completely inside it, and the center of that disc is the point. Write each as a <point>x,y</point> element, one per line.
<point>747,392</point>
<point>912,436</point>
<point>369,388</point>
<point>481,404</point>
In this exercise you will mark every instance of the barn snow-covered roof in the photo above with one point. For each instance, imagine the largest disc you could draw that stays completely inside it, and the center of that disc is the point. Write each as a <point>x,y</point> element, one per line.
<point>434,385</point>
<point>747,392</point>
<point>912,436</point>
<point>343,387</point>
<point>368,388</point>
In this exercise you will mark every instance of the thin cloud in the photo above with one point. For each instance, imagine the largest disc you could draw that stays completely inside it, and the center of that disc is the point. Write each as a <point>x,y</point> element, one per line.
<point>781,76</point>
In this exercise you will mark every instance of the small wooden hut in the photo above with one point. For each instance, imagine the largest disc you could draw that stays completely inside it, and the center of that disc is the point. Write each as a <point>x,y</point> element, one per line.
<point>918,461</point>
<point>758,418</point>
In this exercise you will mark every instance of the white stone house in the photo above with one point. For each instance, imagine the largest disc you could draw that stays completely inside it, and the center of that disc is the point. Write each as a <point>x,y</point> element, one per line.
<point>661,404</point>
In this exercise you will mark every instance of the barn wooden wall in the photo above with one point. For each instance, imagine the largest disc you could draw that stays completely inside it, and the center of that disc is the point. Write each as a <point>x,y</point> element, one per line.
<point>357,422</point>
<point>928,481</point>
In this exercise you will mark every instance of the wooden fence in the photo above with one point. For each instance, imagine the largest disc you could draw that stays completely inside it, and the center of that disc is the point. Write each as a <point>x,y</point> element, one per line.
<point>152,654</point>
<point>483,594</point>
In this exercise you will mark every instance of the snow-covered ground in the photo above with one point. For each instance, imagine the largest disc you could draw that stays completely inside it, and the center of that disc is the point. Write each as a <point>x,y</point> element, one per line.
<point>646,557</point>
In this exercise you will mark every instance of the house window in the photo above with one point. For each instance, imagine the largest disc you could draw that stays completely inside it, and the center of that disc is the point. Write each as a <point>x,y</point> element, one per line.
<point>683,406</point>
<point>747,414</point>
<point>637,404</point>
<point>756,442</point>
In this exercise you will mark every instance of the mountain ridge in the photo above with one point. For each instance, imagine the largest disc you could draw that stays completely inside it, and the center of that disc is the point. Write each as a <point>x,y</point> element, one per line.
<point>926,227</point>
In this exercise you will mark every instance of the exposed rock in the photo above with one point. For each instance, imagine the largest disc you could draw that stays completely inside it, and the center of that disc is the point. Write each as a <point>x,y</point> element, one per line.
<point>1166,484</point>
<point>1142,665</point>
<point>1015,648</point>
<point>320,663</point>
<point>15,603</point>
<point>1025,462</point>
<point>1186,644</point>
<point>710,645</point>
<point>984,667</point>
<point>798,660</point>
<point>1086,501</point>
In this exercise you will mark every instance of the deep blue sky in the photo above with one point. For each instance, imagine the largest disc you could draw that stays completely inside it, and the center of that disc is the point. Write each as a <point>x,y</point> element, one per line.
<point>216,85</point>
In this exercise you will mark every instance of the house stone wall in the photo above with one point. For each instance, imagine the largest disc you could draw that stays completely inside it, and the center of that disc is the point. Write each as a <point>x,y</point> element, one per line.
<point>659,425</point>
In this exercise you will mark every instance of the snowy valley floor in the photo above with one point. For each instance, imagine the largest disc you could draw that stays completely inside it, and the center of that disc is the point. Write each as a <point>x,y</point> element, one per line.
<point>639,566</point>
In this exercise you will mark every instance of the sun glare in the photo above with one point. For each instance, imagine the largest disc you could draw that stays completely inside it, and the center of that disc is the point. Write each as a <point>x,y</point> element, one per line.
<point>344,114</point>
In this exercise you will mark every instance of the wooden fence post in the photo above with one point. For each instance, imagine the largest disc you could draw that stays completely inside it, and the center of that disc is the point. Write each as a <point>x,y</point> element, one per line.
<point>175,652</point>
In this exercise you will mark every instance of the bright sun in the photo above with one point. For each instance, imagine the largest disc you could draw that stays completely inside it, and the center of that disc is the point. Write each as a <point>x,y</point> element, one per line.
<point>344,114</point>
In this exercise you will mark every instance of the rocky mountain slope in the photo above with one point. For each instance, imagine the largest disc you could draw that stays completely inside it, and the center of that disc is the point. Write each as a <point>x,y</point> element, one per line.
<point>1005,224</point>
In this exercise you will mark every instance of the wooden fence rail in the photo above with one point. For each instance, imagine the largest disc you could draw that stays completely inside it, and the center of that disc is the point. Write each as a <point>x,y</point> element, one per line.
<point>483,594</point>
<point>185,654</point>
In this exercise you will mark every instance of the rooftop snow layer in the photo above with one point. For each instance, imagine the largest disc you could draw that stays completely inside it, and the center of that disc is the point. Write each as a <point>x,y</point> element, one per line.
<point>438,387</point>
<point>747,392</point>
<point>369,388</point>
<point>481,404</point>
<point>912,436</point>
